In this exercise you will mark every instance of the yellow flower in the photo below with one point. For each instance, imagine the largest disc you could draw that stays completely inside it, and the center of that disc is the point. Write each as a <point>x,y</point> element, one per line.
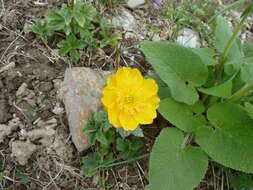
<point>130,99</point>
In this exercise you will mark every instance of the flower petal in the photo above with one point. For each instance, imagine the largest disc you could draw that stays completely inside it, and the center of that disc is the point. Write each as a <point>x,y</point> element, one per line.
<point>129,78</point>
<point>148,89</point>
<point>146,116</point>
<point>127,121</point>
<point>113,116</point>
<point>111,81</point>
<point>109,97</point>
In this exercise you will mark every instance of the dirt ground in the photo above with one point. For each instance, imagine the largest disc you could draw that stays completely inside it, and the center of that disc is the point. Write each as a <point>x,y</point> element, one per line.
<point>29,99</point>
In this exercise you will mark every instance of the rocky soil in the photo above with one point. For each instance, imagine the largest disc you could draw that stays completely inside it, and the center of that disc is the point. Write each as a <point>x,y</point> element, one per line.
<point>35,133</point>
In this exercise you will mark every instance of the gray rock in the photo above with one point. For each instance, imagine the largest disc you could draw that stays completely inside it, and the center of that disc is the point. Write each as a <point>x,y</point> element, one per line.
<point>188,38</point>
<point>135,3</point>
<point>22,151</point>
<point>81,94</point>
<point>125,20</point>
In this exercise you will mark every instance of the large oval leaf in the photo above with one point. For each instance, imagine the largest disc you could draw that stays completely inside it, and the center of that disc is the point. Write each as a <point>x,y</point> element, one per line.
<point>230,143</point>
<point>174,168</point>
<point>182,115</point>
<point>179,67</point>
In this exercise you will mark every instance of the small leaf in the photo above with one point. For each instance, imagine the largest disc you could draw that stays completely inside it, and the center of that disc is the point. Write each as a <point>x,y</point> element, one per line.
<point>74,55</point>
<point>173,168</point>
<point>136,144</point>
<point>137,132</point>
<point>23,178</point>
<point>179,67</point>
<point>89,129</point>
<point>100,136</point>
<point>122,145</point>
<point>123,133</point>
<point>223,90</point>
<point>92,139</point>
<point>230,143</point>
<point>90,165</point>
<point>30,112</point>
<point>222,35</point>
<point>184,117</point>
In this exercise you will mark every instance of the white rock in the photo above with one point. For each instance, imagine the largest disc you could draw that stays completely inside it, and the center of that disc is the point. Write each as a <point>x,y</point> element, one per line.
<point>81,92</point>
<point>188,38</point>
<point>135,3</point>
<point>125,20</point>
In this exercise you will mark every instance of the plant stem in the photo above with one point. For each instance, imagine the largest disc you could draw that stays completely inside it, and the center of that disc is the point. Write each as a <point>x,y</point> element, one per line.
<point>124,162</point>
<point>229,45</point>
<point>186,141</point>
<point>236,96</point>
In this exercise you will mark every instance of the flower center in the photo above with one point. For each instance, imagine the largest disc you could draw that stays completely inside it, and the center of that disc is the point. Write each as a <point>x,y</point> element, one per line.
<point>129,99</point>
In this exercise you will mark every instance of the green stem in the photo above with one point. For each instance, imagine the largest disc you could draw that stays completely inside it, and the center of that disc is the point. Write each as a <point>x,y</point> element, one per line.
<point>229,45</point>
<point>236,96</point>
<point>123,162</point>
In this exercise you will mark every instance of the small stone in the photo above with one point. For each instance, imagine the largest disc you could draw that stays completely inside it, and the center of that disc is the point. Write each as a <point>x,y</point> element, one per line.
<point>45,86</point>
<point>6,130</point>
<point>22,151</point>
<point>7,67</point>
<point>188,38</point>
<point>57,109</point>
<point>21,90</point>
<point>81,93</point>
<point>52,123</point>
<point>135,3</point>
<point>125,20</point>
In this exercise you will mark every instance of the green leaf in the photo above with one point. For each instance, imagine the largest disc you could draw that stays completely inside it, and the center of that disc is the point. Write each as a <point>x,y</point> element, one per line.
<point>164,92</point>
<point>30,112</point>
<point>92,139</point>
<point>74,55</point>
<point>89,129</point>
<point>249,108</point>
<point>223,90</point>
<point>137,132</point>
<point>174,168</point>
<point>123,133</point>
<point>206,55</point>
<point>40,29</point>
<point>79,17</point>
<point>230,143</point>
<point>222,35</point>
<point>136,144</point>
<point>122,145</point>
<point>23,178</point>
<point>100,136</point>
<point>240,181</point>
<point>179,67</point>
<point>247,72</point>
<point>55,21</point>
<point>181,115</point>
<point>248,49</point>
<point>90,165</point>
